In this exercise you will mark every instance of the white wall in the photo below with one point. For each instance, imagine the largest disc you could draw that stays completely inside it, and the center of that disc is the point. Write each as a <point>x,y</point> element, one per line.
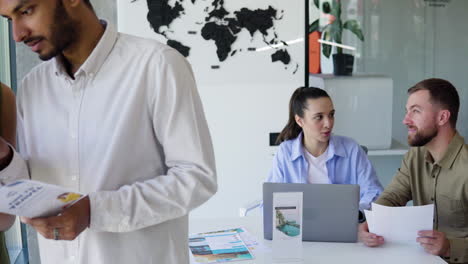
<point>240,117</point>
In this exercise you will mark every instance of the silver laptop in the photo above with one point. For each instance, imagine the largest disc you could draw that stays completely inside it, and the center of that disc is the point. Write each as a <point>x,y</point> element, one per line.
<point>330,211</point>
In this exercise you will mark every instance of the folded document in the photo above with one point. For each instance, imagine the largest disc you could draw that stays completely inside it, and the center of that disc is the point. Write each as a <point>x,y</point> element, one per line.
<point>35,199</point>
<point>399,224</point>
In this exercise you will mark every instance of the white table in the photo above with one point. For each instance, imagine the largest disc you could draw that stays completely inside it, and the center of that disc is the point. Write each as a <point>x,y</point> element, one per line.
<point>322,252</point>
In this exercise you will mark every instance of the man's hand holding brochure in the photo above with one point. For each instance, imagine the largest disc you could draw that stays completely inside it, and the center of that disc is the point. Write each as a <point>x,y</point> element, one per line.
<point>410,224</point>
<point>33,199</point>
<point>55,212</point>
<point>399,224</point>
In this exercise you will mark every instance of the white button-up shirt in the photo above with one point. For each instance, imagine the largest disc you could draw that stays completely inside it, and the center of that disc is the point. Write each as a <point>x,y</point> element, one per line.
<point>130,131</point>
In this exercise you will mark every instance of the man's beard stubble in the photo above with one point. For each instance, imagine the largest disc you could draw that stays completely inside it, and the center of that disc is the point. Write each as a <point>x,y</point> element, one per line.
<point>421,138</point>
<point>63,32</point>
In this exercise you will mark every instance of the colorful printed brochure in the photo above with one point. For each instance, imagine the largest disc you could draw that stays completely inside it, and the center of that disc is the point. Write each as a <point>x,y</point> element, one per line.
<point>287,226</point>
<point>35,199</point>
<point>249,240</point>
<point>219,246</point>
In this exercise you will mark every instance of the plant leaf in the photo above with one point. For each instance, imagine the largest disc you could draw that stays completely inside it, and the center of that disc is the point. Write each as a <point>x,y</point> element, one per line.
<point>316,3</point>
<point>353,26</point>
<point>314,26</point>
<point>336,9</point>
<point>336,28</point>
<point>326,49</point>
<point>326,9</point>
<point>336,31</point>
<point>327,35</point>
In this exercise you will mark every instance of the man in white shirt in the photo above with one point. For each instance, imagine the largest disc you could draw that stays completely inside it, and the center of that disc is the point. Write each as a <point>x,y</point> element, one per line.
<point>115,117</point>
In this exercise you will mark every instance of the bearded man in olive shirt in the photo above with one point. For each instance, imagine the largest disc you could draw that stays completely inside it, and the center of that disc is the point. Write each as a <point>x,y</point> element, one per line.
<point>434,171</point>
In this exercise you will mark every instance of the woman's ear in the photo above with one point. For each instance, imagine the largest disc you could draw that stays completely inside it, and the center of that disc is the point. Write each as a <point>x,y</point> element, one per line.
<point>299,120</point>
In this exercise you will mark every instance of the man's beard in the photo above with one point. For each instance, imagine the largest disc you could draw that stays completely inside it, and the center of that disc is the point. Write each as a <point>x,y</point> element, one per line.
<point>63,32</point>
<point>421,138</point>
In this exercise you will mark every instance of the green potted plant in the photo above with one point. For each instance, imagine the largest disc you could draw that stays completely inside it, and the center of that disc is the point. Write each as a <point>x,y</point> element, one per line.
<point>342,63</point>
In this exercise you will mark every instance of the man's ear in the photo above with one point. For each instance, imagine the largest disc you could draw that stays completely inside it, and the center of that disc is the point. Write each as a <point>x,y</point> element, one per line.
<point>72,3</point>
<point>299,120</point>
<point>443,117</point>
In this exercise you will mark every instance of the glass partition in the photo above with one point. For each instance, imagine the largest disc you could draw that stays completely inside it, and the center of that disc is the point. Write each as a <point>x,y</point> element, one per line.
<point>406,40</point>
<point>5,76</point>
<point>15,237</point>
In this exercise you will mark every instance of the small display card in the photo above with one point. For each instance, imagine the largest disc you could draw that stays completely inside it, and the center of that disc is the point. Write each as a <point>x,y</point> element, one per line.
<point>287,226</point>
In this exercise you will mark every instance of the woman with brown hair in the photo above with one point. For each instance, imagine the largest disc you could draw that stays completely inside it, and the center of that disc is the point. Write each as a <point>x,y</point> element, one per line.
<point>7,133</point>
<point>310,153</point>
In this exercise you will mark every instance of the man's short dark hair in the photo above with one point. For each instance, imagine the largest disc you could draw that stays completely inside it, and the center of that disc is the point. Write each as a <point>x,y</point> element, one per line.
<point>442,93</point>
<point>88,3</point>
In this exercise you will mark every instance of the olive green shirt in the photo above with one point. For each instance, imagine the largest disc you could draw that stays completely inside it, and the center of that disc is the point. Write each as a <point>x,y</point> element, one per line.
<point>4,259</point>
<point>444,184</point>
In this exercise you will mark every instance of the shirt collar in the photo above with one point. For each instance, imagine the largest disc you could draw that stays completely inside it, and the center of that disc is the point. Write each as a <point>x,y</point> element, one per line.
<point>334,148</point>
<point>297,150</point>
<point>97,57</point>
<point>451,154</point>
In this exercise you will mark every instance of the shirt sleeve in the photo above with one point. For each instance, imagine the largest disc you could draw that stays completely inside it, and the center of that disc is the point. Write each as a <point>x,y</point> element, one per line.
<point>276,173</point>
<point>181,130</point>
<point>398,192</point>
<point>17,169</point>
<point>458,250</point>
<point>370,186</point>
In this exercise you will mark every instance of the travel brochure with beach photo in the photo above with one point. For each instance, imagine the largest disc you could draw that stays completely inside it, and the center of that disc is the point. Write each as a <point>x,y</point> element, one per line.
<point>35,199</point>
<point>287,221</point>
<point>287,225</point>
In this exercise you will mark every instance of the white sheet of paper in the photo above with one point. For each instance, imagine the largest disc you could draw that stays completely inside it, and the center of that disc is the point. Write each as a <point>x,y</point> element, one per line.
<point>255,245</point>
<point>369,219</point>
<point>400,224</point>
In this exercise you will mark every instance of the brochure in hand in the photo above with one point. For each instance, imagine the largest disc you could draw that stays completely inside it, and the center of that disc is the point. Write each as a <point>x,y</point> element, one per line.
<point>35,199</point>
<point>219,246</point>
